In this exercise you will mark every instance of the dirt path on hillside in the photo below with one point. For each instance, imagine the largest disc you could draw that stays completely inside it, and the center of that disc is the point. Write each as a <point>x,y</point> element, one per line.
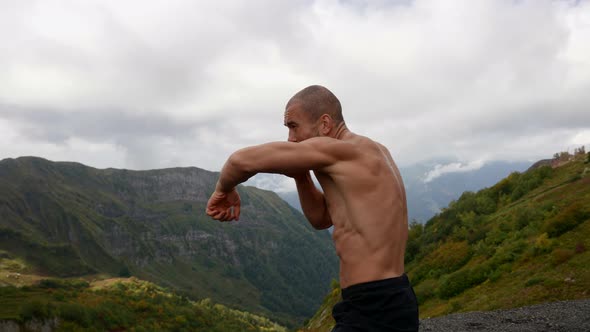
<point>564,316</point>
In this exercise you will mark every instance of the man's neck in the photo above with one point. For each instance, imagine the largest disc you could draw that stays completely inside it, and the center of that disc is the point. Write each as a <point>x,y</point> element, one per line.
<point>341,131</point>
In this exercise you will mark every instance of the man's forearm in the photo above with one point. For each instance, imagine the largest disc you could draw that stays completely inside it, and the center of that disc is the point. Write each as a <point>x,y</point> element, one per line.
<point>312,201</point>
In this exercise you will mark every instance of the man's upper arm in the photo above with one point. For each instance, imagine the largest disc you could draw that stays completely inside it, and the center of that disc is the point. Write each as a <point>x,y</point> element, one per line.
<point>289,157</point>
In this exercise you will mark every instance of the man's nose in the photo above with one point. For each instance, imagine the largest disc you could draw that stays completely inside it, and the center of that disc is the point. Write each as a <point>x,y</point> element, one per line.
<point>292,138</point>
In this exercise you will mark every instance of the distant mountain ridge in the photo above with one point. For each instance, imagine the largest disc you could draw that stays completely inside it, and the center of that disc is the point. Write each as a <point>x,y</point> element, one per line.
<point>425,199</point>
<point>69,219</point>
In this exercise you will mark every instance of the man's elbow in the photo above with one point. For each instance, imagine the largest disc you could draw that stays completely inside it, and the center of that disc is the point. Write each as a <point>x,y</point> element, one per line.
<point>237,161</point>
<point>321,224</point>
<point>320,227</point>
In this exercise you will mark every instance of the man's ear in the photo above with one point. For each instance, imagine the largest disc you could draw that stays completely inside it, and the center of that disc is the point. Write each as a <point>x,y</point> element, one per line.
<point>326,124</point>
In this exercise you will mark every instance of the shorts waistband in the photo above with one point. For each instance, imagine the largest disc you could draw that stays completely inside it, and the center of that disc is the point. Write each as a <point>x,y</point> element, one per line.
<point>376,285</point>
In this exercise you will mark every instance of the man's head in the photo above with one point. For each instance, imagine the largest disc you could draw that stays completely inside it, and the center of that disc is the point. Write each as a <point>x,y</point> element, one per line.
<point>312,112</point>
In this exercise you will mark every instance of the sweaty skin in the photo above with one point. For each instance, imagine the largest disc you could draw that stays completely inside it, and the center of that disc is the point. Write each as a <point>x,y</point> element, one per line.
<point>363,193</point>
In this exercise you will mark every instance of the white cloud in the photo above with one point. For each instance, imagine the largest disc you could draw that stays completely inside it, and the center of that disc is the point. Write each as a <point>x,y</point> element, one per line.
<point>274,182</point>
<point>439,169</point>
<point>73,149</point>
<point>581,138</point>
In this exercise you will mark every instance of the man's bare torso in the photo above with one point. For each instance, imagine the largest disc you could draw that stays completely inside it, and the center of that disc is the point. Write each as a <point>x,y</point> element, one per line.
<point>366,200</point>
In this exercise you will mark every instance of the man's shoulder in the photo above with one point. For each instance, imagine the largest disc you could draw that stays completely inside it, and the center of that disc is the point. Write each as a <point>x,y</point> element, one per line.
<point>343,150</point>
<point>354,139</point>
<point>330,144</point>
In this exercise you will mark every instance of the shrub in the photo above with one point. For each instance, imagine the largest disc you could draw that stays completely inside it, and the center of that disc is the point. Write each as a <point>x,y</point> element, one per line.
<point>542,245</point>
<point>454,306</point>
<point>447,258</point>
<point>78,284</point>
<point>561,255</point>
<point>529,181</point>
<point>508,253</point>
<point>525,216</point>
<point>426,290</point>
<point>36,309</point>
<point>485,203</point>
<point>59,295</point>
<point>495,275</point>
<point>50,283</point>
<point>114,316</point>
<point>552,283</point>
<point>533,281</point>
<point>495,236</point>
<point>63,284</point>
<point>6,291</point>
<point>481,248</point>
<point>565,221</point>
<point>505,187</point>
<point>413,244</point>
<point>459,281</point>
<point>75,313</point>
<point>334,284</point>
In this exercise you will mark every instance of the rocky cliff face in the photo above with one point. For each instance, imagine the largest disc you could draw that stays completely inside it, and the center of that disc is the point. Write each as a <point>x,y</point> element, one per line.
<point>152,224</point>
<point>175,184</point>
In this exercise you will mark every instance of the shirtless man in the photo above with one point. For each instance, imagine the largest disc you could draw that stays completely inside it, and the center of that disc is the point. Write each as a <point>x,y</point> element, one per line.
<point>363,197</point>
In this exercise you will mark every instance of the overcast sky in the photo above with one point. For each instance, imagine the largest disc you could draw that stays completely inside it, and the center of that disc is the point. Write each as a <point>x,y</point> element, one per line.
<point>153,84</point>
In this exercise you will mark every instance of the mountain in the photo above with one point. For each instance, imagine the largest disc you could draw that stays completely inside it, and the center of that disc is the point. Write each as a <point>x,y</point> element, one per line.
<point>523,241</point>
<point>426,197</point>
<point>65,219</point>
<point>291,197</point>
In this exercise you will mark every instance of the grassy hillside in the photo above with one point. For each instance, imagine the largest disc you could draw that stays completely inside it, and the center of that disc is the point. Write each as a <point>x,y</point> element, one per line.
<point>523,241</point>
<point>120,305</point>
<point>67,220</point>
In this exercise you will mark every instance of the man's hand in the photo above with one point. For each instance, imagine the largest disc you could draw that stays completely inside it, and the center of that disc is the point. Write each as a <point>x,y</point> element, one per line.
<point>224,206</point>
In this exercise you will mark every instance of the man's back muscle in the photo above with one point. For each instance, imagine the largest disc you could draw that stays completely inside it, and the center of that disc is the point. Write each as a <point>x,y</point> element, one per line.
<point>366,201</point>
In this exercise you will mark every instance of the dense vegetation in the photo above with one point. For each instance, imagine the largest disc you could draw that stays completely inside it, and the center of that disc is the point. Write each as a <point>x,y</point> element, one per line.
<point>67,220</point>
<point>121,305</point>
<point>522,241</point>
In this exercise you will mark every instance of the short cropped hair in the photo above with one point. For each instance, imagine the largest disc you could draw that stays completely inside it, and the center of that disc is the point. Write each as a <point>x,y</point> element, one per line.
<point>316,101</point>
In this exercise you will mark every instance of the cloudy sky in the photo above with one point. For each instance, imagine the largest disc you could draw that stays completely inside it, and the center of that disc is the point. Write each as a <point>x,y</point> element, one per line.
<point>153,84</point>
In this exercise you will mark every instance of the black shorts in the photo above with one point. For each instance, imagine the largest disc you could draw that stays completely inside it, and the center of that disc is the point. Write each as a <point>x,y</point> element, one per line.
<point>382,305</point>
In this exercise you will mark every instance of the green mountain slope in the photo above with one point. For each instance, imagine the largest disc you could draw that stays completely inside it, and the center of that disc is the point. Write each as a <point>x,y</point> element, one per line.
<point>118,305</point>
<point>67,219</point>
<point>523,241</point>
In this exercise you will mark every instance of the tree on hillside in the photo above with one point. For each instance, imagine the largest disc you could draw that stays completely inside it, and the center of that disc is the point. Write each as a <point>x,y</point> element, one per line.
<point>564,156</point>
